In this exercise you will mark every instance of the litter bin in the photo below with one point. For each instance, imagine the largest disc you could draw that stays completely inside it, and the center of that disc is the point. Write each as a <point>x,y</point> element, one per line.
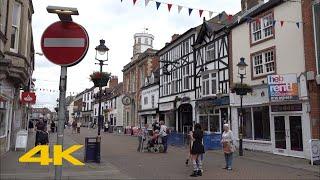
<point>92,149</point>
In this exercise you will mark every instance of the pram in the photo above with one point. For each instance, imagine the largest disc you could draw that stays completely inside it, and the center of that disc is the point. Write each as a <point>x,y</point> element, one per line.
<point>42,138</point>
<point>153,144</point>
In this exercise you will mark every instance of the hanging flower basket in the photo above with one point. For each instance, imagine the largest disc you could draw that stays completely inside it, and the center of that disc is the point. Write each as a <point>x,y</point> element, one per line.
<point>100,78</point>
<point>241,89</point>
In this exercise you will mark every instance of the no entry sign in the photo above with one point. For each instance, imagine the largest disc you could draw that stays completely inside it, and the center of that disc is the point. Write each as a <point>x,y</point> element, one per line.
<point>65,43</point>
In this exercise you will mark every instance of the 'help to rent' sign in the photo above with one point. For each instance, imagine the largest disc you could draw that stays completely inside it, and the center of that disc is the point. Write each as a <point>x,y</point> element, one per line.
<point>283,87</point>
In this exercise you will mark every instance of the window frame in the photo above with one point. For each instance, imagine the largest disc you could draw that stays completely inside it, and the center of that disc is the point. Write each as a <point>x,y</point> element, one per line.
<point>209,80</point>
<point>210,48</point>
<point>15,49</point>
<point>185,77</point>
<point>262,29</point>
<point>255,76</point>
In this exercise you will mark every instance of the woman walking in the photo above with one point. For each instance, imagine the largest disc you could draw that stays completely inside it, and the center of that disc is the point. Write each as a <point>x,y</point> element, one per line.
<point>197,150</point>
<point>228,146</point>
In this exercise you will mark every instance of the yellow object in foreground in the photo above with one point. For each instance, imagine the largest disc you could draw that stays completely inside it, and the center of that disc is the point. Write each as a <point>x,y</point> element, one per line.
<point>58,155</point>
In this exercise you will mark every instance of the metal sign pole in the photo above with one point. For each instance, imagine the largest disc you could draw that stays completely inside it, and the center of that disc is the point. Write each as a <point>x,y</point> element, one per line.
<point>61,115</point>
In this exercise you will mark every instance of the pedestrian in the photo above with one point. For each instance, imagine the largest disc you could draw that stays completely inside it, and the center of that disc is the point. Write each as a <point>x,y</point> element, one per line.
<point>41,134</point>
<point>52,126</point>
<point>190,141</point>
<point>227,141</point>
<point>30,126</point>
<point>78,126</point>
<point>106,127</point>
<point>164,136</point>
<point>197,150</point>
<point>74,126</point>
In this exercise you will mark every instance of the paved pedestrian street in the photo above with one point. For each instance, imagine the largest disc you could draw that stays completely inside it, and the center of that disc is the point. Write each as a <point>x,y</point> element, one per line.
<point>120,160</point>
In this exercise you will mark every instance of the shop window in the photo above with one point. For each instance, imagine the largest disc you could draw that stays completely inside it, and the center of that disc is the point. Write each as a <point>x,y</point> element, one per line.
<point>261,123</point>
<point>3,121</point>
<point>247,123</point>
<point>214,124</point>
<point>203,121</point>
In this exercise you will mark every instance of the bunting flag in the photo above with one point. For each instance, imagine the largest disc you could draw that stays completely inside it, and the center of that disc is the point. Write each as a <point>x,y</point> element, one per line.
<point>190,11</point>
<point>298,25</point>
<point>158,4</point>
<point>210,14</point>
<point>169,7</point>
<point>134,2</point>
<point>179,9</point>
<point>200,12</point>
<point>258,20</point>
<point>239,19</point>
<point>147,2</point>
<point>281,23</point>
<point>274,22</point>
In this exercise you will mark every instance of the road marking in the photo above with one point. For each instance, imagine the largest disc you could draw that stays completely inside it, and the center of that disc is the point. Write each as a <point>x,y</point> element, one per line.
<point>63,42</point>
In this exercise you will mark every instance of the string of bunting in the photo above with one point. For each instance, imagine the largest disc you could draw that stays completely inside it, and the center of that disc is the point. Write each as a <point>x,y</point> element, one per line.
<point>52,90</point>
<point>229,17</point>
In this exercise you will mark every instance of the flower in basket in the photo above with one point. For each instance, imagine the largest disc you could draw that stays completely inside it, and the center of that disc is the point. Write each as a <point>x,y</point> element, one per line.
<point>241,89</point>
<point>100,78</point>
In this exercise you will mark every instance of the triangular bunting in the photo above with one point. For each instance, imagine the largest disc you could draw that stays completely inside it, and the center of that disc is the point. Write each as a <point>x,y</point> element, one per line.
<point>258,20</point>
<point>169,7</point>
<point>158,4</point>
<point>210,14</point>
<point>147,2</point>
<point>298,24</point>
<point>239,18</point>
<point>274,22</point>
<point>190,11</point>
<point>179,8</point>
<point>200,12</point>
<point>229,18</point>
<point>134,2</point>
<point>281,23</point>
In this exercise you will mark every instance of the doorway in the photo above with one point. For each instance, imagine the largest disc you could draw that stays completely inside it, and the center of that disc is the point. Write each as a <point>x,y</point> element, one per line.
<point>288,139</point>
<point>185,118</point>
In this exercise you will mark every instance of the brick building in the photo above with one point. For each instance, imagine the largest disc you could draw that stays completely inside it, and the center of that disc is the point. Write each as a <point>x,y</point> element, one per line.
<point>143,62</point>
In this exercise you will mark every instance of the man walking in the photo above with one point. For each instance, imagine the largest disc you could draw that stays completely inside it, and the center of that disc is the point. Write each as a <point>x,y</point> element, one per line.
<point>164,136</point>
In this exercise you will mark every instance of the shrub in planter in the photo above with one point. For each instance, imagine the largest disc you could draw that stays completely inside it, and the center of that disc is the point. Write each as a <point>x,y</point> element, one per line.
<point>100,78</point>
<point>241,89</point>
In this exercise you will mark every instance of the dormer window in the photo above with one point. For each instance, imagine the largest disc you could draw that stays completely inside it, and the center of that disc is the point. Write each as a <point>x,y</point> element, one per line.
<point>262,28</point>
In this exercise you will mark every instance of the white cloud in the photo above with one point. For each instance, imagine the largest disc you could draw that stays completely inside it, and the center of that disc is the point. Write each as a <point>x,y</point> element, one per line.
<point>115,22</point>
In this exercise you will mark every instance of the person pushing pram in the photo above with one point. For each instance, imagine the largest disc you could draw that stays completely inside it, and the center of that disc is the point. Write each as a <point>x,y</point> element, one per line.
<point>153,144</point>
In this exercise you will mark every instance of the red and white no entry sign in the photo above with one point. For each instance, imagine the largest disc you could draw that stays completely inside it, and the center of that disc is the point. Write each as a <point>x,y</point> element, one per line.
<point>65,43</point>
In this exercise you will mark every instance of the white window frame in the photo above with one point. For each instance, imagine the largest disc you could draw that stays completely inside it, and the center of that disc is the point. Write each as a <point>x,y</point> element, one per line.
<point>263,62</point>
<point>208,115</point>
<point>174,82</point>
<point>212,75</point>
<point>261,26</point>
<point>185,77</point>
<point>210,52</point>
<point>17,26</point>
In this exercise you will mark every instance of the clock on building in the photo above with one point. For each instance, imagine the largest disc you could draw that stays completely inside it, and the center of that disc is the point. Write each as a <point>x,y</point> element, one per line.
<point>126,100</point>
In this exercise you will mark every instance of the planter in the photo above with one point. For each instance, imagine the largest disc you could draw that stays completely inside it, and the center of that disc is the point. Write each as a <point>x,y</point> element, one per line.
<point>241,89</point>
<point>101,81</point>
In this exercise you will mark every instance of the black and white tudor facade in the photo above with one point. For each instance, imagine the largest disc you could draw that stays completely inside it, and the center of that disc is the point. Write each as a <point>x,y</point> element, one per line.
<point>194,78</point>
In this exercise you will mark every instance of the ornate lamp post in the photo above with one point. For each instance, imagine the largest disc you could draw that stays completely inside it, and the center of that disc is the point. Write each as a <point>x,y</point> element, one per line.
<point>101,49</point>
<point>242,72</point>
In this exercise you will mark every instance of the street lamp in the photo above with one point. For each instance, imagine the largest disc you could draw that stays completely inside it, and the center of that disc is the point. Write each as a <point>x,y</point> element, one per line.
<point>242,72</point>
<point>101,49</point>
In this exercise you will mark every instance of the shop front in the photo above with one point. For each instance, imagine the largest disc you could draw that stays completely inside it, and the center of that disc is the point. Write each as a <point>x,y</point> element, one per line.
<point>167,113</point>
<point>148,116</point>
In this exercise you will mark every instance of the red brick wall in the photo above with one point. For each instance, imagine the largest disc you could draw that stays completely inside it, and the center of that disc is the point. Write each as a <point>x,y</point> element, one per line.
<point>310,62</point>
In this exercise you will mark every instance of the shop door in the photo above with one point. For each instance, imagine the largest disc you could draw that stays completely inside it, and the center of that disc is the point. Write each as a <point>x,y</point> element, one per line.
<point>288,135</point>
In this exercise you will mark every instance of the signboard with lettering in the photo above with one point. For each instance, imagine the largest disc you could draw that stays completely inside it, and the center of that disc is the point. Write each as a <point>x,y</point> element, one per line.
<point>283,87</point>
<point>166,106</point>
<point>286,107</point>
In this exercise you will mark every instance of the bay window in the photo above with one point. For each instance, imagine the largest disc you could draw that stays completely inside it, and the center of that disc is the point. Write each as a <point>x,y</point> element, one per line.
<point>209,84</point>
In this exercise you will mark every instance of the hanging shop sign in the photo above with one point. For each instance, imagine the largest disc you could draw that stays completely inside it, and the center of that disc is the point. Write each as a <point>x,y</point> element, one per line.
<point>28,97</point>
<point>126,100</point>
<point>283,87</point>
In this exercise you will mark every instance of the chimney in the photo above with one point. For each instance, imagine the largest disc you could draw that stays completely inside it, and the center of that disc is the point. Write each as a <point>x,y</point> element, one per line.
<point>248,4</point>
<point>174,37</point>
<point>113,82</point>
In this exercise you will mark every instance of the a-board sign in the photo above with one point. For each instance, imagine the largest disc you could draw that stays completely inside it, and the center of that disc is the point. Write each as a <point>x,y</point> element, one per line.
<point>22,140</point>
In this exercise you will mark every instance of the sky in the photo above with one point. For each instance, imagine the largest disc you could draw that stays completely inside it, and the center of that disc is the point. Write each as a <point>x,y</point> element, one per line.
<point>116,22</point>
